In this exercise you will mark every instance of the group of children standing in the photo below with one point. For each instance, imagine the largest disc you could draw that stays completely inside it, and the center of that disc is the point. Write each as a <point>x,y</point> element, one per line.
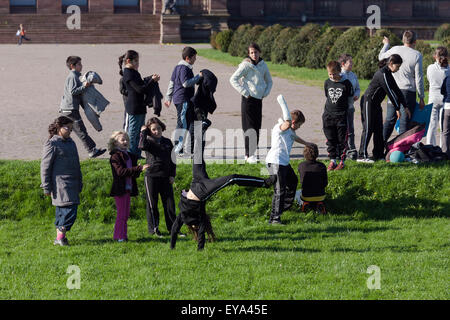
<point>61,174</point>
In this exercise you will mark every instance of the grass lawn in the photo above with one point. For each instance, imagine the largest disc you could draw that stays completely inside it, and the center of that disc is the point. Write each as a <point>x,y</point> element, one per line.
<point>305,76</point>
<point>391,216</point>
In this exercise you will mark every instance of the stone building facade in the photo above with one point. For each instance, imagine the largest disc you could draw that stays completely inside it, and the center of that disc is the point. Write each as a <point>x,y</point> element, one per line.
<point>141,21</point>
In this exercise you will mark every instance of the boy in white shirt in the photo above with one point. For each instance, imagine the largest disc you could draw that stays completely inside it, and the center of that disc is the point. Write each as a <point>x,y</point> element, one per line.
<point>278,157</point>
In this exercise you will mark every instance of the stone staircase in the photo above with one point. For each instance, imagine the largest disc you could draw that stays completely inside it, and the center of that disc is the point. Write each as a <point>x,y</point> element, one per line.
<point>96,28</point>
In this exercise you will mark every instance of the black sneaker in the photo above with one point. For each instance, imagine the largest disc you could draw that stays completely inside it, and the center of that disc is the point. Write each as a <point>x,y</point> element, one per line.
<point>96,153</point>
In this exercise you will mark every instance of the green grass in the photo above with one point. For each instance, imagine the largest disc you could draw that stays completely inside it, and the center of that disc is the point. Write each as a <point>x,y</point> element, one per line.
<point>391,216</point>
<point>305,76</point>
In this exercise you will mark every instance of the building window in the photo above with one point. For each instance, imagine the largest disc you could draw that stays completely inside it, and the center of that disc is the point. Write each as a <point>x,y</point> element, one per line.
<point>83,4</point>
<point>127,6</point>
<point>326,8</point>
<point>424,8</point>
<point>22,6</point>
<point>276,8</point>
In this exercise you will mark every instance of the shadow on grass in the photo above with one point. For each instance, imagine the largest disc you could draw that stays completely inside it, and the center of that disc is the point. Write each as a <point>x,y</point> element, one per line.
<point>271,249</point>
<point>403,206</point>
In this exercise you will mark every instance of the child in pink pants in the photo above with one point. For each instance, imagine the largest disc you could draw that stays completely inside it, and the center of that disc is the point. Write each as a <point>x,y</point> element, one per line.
<point>125,170</point>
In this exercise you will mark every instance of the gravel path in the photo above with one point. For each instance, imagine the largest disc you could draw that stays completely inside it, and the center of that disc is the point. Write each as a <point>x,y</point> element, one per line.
<point>32,81</point>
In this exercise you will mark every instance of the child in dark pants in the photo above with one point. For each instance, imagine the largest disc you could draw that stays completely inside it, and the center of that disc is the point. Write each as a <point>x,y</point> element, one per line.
<point>314,179</point>
<point>61,176</point>
<point>193,202</point>
<point>161,175</point>
<point>338,90</point>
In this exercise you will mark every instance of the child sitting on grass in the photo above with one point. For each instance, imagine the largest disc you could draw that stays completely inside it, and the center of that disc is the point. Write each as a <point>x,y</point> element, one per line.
<point>125,170</point>
<point>314,179</point>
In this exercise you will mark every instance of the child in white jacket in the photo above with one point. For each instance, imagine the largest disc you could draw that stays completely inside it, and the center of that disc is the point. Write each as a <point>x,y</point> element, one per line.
<point>253,82</point>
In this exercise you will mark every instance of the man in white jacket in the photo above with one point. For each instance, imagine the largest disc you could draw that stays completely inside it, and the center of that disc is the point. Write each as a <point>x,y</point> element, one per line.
<point>409,79</point>
<point>253,82</point>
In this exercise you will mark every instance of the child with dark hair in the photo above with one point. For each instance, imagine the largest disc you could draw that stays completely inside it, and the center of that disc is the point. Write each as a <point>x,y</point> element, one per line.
<point>253,81</point>
<point>278,157</point>
<point>181,89</point>
<point>382,84</point>
<point>160,176</point>
<point>61,176</point>
<point>314,179</point>
<point>71,101</point>
<point>346,62</point>
<point>134,105</point>
<point>193,202</point>
<point>338,90</point>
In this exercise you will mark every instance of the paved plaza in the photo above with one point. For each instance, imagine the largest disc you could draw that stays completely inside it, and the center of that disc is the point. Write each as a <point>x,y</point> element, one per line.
<point>32,82</point>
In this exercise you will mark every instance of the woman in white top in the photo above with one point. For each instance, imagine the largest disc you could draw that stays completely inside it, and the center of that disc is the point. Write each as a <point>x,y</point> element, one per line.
<point>253,81</point>
<point>436,74</point>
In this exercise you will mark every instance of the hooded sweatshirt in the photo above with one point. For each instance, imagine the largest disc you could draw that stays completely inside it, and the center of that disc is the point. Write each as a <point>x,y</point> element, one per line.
<point>252,80</point>
<point>338,94</point>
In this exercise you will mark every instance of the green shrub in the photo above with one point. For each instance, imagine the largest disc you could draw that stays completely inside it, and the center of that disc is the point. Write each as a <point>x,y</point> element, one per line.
<point>442,32</point>
<point>266,39</point>
<point>213,39</point>
<point>317,55</point>
<point>251,35</point>
<point>365,63</point>
<point>299,45</point>
<point>223,40</point>
<point>349,42</point>
<point>234,47</point>
<point>427,53</point>
<point>446,42</point>
<point>280,45</point>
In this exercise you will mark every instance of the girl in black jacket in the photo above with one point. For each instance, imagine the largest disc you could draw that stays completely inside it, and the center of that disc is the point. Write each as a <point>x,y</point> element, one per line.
<point>160,176</point>
<point>135,88</point>
<point>193,202</point>
<point>382,84</point>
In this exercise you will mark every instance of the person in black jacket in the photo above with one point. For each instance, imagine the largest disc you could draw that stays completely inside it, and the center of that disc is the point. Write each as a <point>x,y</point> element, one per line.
<point>314,179</point>
<point>203,100</point>
<point>136,89</point>
<point>382,84</point>
<point>160,176</point>
<point>193,202</point>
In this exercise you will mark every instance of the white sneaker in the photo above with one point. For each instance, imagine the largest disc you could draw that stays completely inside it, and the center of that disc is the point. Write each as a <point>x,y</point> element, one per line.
<point>365,160</point>
<point>252,159</point>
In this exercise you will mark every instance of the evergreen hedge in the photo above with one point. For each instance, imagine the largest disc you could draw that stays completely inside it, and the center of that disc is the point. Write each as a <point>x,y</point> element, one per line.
<point>266,39</point>
<point>349,42</point>
<point>280,45</point>
<point>317,55</point>
<point>213,40</point>
<point>442,32</point>
<point>234,48</point>
<point>365,63</point>
<point>299,45</point>
<point>223,40</point>
<point>250,35</point>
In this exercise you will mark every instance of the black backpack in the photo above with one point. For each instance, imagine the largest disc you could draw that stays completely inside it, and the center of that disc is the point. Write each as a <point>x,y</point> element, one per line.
<point>420,152</point>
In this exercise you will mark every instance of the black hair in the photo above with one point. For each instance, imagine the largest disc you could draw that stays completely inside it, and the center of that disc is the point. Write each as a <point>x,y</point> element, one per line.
<point>442,54</point>
<point>395,59</point>
<point>72,60</point>
<point>188,52</point>
<point>343,58</point>
<point>130,54</point>
<point>255,46</point>
<point>57,124</point>
<point>155,120</point>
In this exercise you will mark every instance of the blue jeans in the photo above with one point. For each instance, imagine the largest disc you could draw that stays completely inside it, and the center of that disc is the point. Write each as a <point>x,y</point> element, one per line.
<point>391,115</point>
<point>134,124</point>
<point>65,216</point>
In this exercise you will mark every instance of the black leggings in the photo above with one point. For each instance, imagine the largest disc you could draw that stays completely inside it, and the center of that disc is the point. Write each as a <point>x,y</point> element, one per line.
<point>251,113</point>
